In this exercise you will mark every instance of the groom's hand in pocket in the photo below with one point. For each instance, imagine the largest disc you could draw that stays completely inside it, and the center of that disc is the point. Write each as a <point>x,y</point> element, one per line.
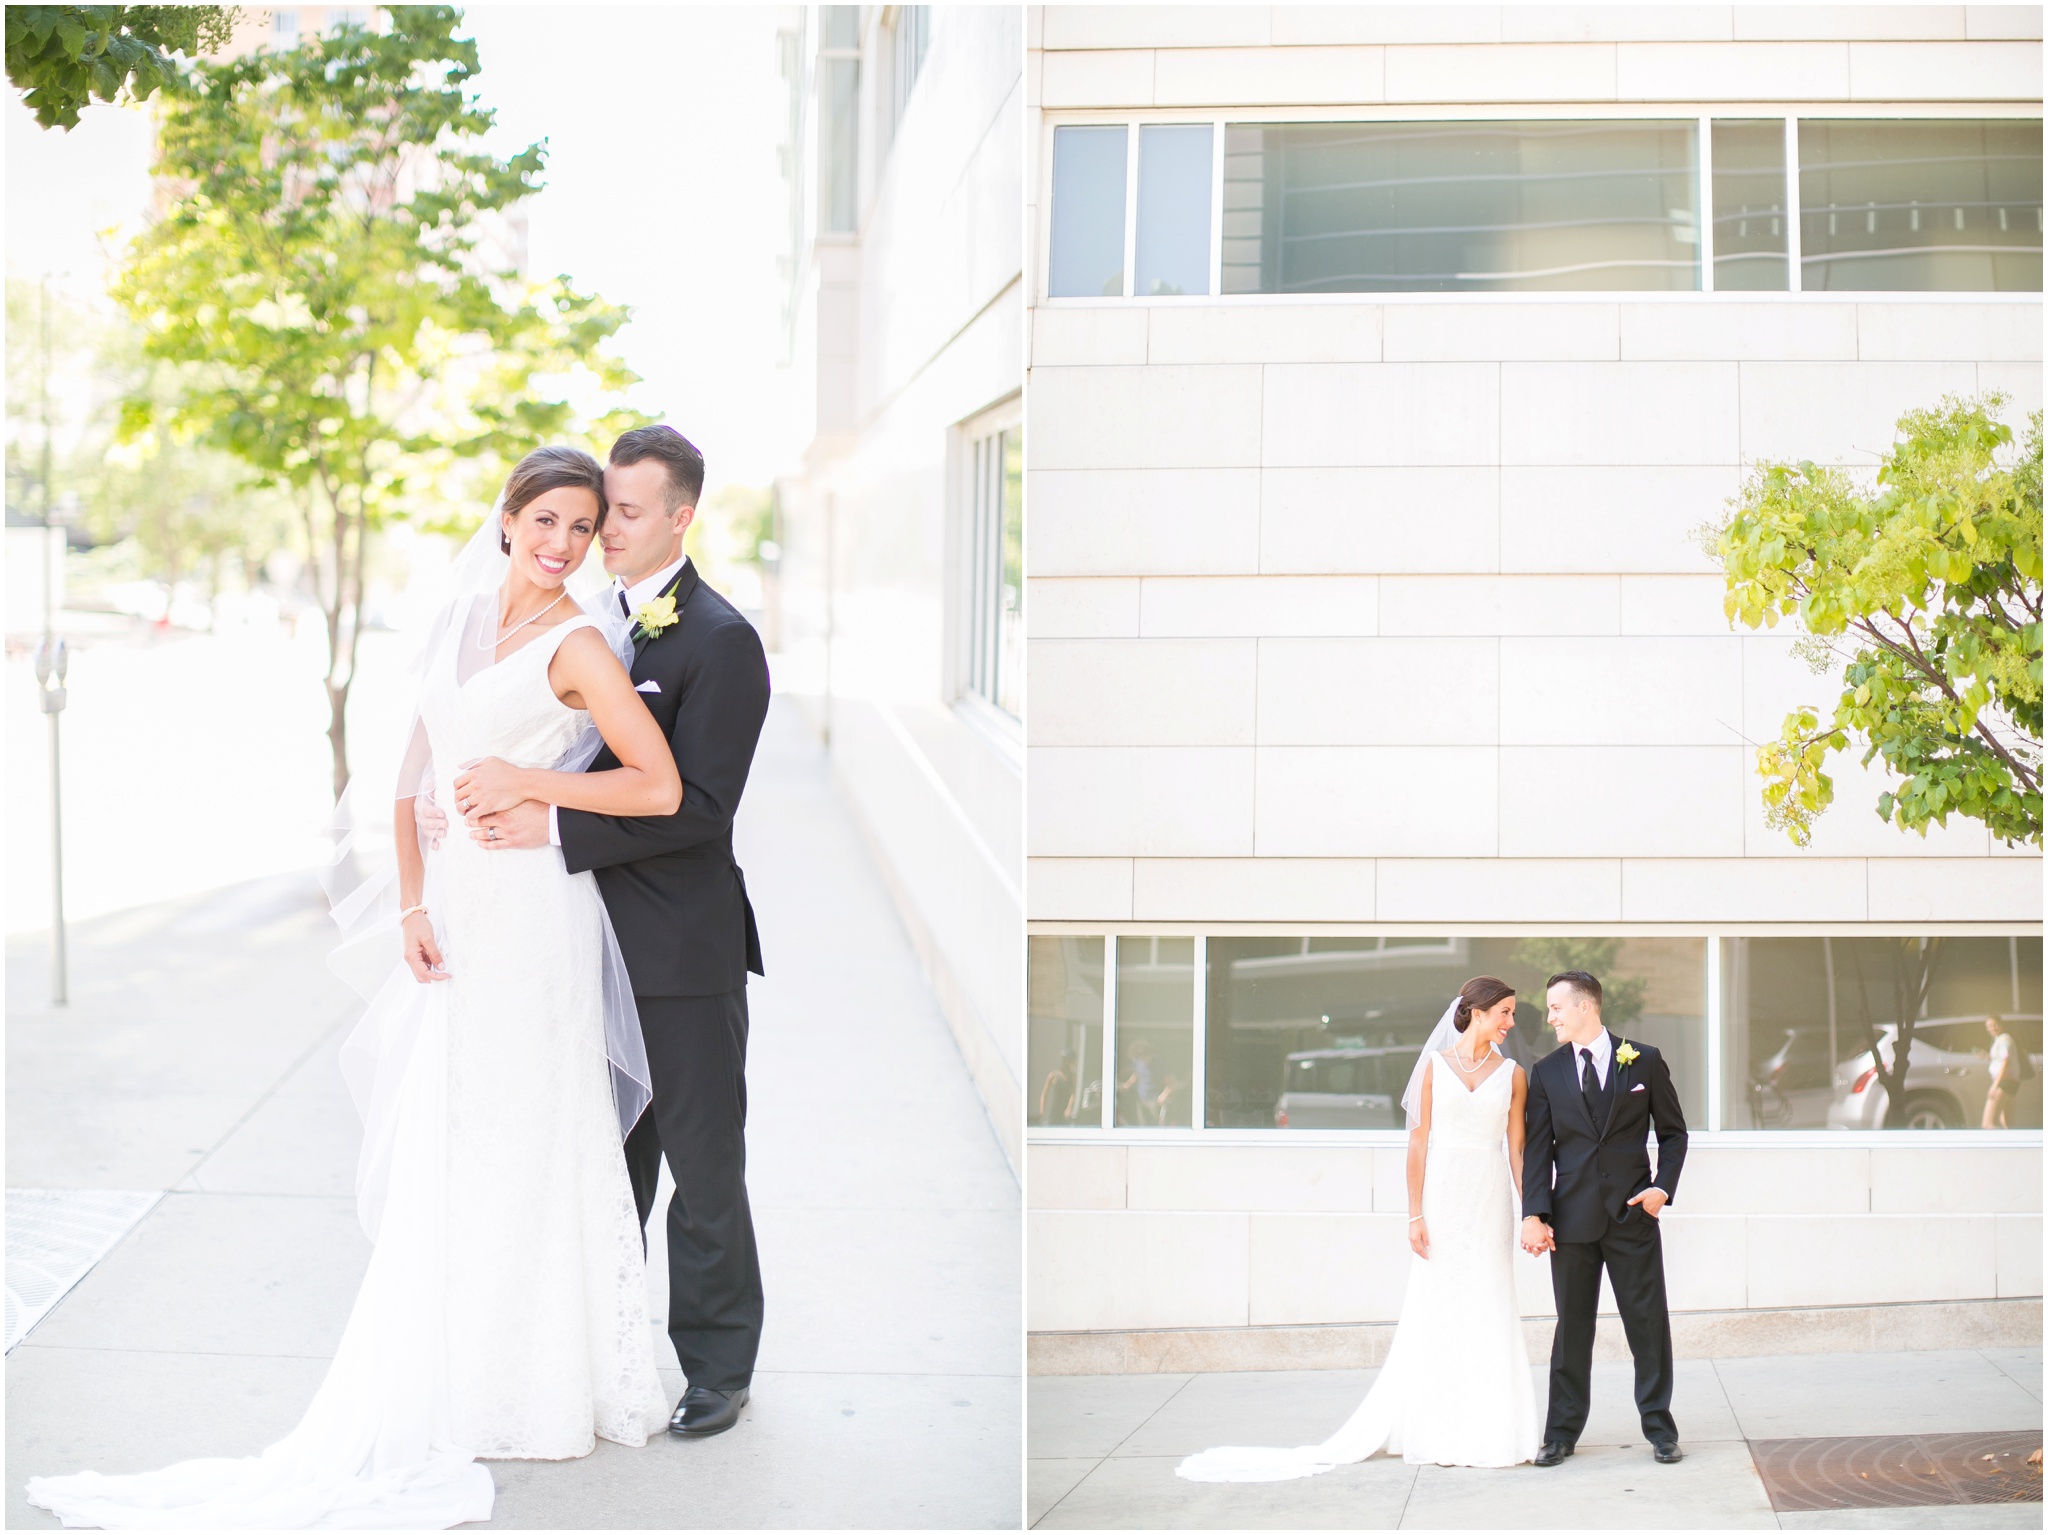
<point>1653,1200</point>
<point>524,825</point>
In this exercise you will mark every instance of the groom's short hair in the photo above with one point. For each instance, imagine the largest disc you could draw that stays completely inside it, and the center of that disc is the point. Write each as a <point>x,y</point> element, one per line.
<point>678,455</point>
<point>1584,982</point>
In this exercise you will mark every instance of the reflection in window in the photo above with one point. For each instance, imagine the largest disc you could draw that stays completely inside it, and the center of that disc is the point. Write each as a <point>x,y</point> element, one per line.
<point>1155,1031</point>
<point>1750,228</point>
<point>1088,212</point>
<point>1322,1033</point>
<point>1920,206</point>
<point>910,34</point>
<point>1460,207</point>
<point>1803,1016</point>
<point>995,572</point>
<point>839,128</point>
<point>1173,208</point>
<point>1064,1002</point>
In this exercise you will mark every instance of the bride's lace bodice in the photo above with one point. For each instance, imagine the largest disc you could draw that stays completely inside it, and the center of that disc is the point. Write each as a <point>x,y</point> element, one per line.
<point>1475,1118</point>
<point>505,709</point>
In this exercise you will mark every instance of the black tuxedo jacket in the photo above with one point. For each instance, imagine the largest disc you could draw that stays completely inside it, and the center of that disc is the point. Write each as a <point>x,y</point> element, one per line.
<point>1578,1175</point>
<point>677,900</point>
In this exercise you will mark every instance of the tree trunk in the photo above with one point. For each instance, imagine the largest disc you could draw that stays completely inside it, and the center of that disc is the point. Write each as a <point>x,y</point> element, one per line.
<point>337,732</point>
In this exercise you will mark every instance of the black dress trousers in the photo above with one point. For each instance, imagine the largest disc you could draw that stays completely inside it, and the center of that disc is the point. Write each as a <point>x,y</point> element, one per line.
<point>1631,1250</point>
<point>697,1055</point>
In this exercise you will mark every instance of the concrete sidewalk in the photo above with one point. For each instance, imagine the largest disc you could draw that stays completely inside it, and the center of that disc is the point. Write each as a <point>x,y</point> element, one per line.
<point>198,1057</point>
<point>1104,1448</point>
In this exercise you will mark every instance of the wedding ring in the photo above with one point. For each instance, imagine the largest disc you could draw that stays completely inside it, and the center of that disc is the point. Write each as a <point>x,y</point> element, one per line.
<point>494,834</point>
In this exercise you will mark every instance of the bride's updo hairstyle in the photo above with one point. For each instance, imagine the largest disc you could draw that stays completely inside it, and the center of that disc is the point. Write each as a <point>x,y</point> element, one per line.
<point>1477,995</point>
<point>551,468</point>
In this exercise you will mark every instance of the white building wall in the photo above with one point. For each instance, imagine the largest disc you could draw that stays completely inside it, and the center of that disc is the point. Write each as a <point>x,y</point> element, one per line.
<point>1371,609</point>
<point>903,332</point>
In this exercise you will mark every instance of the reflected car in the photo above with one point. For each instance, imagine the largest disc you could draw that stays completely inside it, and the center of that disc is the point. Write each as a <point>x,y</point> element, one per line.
<point>1948,1075</point>
<point>1347,1088</point>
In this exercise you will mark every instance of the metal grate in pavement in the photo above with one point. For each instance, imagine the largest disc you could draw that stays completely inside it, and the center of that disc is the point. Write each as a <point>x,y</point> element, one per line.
<point>1898,1470</point>
<point>54,1237</point>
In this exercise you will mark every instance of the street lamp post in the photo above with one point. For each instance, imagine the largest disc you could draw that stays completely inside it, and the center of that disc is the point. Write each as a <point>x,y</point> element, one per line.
<point>53,660</point>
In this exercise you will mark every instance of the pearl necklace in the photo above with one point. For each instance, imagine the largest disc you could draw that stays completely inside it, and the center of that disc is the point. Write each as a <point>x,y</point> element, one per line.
<point>494,644</point>
<point>1473,1069</point>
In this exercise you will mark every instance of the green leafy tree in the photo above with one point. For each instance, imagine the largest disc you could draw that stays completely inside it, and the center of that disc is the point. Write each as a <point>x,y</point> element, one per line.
<point>61,57</point>
<point>1621,995</point>
<point>326,283</point>
<point>1922,593</point>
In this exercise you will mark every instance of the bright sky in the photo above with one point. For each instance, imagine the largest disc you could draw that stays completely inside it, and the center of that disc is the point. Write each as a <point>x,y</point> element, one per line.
<point>662,194</point>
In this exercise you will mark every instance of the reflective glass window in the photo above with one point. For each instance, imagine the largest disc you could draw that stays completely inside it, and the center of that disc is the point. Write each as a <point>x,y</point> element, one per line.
<point>1088,211</point>
<point>1322,1033</point>
<point>1155,1031</point>
<point>1460,207</point>
<point>1920,206</point>
<point>1750,227</point>
<point>1063,990</point>
<point>1173,208</point>
<point>1808,1022</point>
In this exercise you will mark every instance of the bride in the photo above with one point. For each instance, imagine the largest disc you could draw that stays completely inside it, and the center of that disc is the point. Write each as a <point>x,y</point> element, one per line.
<point>504,1311</point>
<point>1456,1388</point>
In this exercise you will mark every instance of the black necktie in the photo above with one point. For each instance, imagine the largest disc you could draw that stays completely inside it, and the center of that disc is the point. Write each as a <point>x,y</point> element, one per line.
<point>625,607</point>
<point>1590,1083</point>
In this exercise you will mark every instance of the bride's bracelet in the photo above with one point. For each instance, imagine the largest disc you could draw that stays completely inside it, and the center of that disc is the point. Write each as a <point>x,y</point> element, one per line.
<point>413,911</point>
<point>1413,1219</point>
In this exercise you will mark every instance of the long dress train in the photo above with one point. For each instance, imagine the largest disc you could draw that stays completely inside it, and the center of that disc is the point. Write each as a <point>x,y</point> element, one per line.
<point>1455,1389</point>
<point>504,1312</point>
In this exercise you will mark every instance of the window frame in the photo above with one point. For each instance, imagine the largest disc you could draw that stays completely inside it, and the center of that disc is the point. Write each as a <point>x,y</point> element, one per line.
<point>1004,730</point>
<point>1702,113</point>
<point>1713,1133</point>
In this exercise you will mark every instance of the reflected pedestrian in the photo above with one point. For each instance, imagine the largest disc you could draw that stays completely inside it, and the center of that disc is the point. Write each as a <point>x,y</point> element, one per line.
<point>2006,1064</point>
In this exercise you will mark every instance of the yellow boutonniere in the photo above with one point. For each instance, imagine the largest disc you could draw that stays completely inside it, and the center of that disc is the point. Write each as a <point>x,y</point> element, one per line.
<point>1626,1053</point>
<point>653,617</point>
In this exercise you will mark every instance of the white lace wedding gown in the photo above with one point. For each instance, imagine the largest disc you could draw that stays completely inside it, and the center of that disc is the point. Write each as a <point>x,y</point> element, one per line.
<point>1456,1388</point>
<point>504,1313</point>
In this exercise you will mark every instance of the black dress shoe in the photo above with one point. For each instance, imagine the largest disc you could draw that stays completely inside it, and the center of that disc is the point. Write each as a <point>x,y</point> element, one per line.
<point>1668,1453</point>
<point>1553,1453</point>
<point>703,1411</point>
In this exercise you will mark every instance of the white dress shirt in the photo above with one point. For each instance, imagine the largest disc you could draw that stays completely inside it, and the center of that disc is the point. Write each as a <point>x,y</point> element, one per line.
<point>639,592</point>
<point>1603,1053</point>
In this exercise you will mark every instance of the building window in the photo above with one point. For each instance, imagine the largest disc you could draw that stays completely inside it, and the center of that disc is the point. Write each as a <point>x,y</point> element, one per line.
<point>1321,1033</point>
<point>994,605</point>
<point>839,119</point>
<point>348,16</point>
<point>284,26</point>
<point>1920,206</point>
<point>910,34</point>
<point>1088,211</point>
<point>1751,231</point>
<point>1804,1016</point>
<point>1064,1001</point>
<point>1469,207</point>
<point>1173,208</point>
<point>1155,1031</point>
<point>1853,205</point>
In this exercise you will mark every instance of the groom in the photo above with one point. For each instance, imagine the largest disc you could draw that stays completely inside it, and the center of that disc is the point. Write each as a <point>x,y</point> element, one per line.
<point>1589,1200</point>
<point>679,906</point>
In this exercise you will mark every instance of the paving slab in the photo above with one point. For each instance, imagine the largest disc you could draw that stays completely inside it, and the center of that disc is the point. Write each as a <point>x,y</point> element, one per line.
<point>1832,1396</point>
<point>1600,1488</point>
<point>2022,1364</point>
<point>1047,1481</point>
<point>1090,1415</point>
<point>221,1274</point>
<point>1972,1516</point>
<point>1141,1492</point>
<point>128,1410</point>
<point>1253,1407</point>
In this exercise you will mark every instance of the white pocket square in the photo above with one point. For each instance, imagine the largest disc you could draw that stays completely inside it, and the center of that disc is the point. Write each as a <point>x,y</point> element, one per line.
<point>649,686</point>
<point>1637,1088</point>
